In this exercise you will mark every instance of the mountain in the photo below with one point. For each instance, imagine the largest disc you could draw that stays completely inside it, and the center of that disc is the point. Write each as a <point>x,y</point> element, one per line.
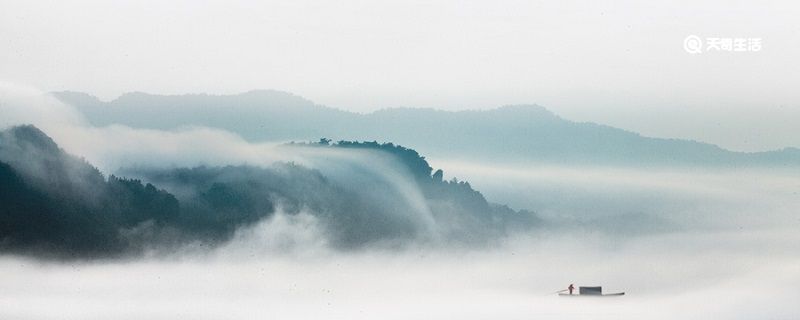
<point>521,133</point>
<point>53,204</point>
<point>255,115</point>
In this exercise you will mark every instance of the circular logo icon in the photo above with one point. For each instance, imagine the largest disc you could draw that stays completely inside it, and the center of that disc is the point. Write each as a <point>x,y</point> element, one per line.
<point>693,44</point>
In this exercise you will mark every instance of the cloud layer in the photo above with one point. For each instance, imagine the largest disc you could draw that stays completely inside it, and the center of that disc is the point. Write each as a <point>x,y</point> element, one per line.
<point>681,243</point>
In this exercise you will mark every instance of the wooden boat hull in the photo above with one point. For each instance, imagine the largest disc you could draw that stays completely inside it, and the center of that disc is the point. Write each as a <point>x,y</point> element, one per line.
<point>617,294</point>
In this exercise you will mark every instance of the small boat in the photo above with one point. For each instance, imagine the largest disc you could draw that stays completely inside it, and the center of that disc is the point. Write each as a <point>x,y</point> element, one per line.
<point>591,292</point>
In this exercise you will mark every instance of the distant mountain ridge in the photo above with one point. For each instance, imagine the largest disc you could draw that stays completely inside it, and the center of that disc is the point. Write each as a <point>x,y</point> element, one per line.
<point>519,133</point>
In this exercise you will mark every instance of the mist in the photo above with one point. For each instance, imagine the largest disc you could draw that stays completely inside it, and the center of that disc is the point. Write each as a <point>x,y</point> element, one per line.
<point>682,242</point>
<point>674,198</point>
<point>665,277</point>
<point>385,159</point>
<point>590,60</point>
<point>203,184</point>
<point>719,258</point>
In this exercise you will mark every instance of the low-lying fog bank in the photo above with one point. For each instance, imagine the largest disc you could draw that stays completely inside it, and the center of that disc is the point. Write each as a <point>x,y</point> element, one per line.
<point>685,276</point>
<point>730,252</point>
<point>684,243</point>
<point>641,200</point>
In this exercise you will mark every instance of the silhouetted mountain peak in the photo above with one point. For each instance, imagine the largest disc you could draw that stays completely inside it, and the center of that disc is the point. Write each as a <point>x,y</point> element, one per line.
<point>28,137</point>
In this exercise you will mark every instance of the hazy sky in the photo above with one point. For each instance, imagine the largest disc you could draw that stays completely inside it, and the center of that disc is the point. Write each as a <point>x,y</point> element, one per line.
<point>614,62</point>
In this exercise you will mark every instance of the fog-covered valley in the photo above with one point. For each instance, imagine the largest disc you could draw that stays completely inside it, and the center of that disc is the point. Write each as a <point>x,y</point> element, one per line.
<point>729,275</point>
<point>353,230</point>
<point>395,159</point>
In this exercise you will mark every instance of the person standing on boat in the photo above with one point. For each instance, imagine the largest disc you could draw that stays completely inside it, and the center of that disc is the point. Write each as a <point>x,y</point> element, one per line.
<point>570,288</point>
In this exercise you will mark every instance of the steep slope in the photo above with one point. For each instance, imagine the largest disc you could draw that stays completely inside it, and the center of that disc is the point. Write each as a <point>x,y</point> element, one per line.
<point>53,204</point>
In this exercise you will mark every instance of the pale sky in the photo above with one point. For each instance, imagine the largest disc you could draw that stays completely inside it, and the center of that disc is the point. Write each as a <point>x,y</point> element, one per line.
<point>620,63</point>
